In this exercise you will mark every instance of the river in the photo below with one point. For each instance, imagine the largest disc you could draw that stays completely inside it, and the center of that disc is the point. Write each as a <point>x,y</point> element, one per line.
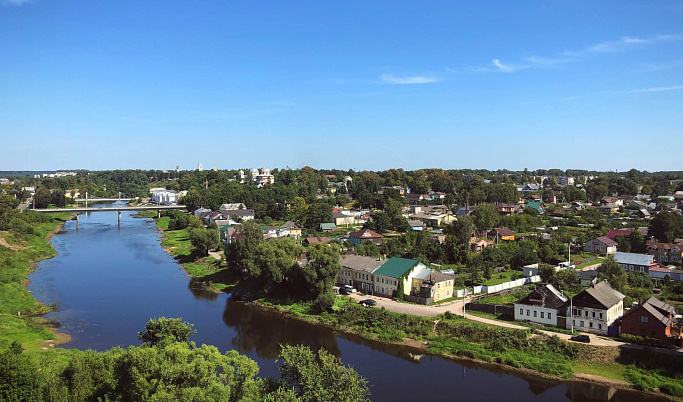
<point>108,281</point>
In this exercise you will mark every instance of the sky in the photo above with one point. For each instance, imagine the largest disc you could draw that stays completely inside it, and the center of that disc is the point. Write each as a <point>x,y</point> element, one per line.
<point>360,85</point>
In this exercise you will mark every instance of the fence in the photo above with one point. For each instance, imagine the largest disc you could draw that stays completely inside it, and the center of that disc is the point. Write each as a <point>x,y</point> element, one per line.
<point>579,262</point>
<point>417,299</point>
<point>500,287</point>
<point>492,308</point>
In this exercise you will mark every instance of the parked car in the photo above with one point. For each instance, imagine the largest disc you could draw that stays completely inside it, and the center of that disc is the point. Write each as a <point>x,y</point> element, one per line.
<point>581,338</point>
<point>350,289</point>
<point>368,302</point>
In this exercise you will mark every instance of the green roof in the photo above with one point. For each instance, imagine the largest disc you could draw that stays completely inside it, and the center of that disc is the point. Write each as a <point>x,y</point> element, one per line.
<point>224,228</point>
<point>327,226</point>
<point>396,267</point>
<point>535,205</point>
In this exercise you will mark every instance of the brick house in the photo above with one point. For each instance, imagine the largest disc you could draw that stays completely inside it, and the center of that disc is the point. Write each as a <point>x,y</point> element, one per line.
<point>651,319</point>
<point>665,252</point>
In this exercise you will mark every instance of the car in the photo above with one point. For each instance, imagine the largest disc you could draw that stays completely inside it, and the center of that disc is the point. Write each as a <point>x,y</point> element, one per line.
<point>368,302</point>
<point>345,291</point>
<point>349,289</point>
<point>581,338</point>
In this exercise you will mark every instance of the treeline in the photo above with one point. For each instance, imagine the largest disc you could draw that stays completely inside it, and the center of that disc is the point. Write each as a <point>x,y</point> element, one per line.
<point>169,367</point>
<point>272,267</point>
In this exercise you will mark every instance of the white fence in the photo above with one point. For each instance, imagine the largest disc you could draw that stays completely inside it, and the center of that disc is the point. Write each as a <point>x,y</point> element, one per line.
<point>497,288</point>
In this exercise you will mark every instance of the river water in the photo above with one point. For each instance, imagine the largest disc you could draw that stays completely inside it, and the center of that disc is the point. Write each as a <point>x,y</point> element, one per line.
<point>109,280</point>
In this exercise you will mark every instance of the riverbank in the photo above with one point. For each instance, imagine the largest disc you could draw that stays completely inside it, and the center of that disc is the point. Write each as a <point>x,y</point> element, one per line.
<point>20,313</point>
<point>518,350</point>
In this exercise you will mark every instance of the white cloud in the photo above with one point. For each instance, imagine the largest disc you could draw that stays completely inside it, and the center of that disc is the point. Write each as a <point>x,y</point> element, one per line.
<point>15,2</point>
<point>389,79</point>
<point>625,42</point>
<point>655,89</point>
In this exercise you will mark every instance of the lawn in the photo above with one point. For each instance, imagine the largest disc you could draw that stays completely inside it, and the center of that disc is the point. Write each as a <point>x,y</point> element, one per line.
<point>598,261</point>
<point>501,277</point>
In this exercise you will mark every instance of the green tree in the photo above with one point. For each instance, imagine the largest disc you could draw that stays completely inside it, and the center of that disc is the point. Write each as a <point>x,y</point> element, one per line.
<point>321,273</point>
<point>192,200</point>
<point>162,328</point>
<point>205,239</point>
<point>611,271</point>
<point>19,377</point>
<point>8,210</point>
<point>240,254</point>
<point>623,244</point>
<point>485,217</point>
<point>639,280</point>
<point>320,378</point>
<point>42,197</point>
<point>666,226</point>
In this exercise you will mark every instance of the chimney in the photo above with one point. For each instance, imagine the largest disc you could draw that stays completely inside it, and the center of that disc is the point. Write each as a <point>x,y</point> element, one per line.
<point>640,301</point>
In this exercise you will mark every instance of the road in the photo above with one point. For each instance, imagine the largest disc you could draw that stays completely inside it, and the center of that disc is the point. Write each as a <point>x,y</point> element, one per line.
<point>456,307</point>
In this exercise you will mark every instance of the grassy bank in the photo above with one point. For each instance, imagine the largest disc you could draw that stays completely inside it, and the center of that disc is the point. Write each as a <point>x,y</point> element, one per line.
<point>20,249</point>
<point>206,269</point>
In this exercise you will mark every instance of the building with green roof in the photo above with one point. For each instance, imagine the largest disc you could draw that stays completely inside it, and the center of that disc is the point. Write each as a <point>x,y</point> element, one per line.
<point>388,277</point>
<point>535,205</point>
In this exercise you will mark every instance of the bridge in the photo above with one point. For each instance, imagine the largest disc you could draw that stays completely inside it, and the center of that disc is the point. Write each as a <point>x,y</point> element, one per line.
<point>102,199</point>
<point>79,210</point>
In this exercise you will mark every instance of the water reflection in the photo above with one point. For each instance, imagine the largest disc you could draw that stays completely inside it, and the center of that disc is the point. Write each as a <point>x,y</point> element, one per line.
<point>200,292</point>
<point>262,331</point>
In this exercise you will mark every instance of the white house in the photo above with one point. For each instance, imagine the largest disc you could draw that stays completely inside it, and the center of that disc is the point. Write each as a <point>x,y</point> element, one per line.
<point>595,309</point>
<point>541,306</point>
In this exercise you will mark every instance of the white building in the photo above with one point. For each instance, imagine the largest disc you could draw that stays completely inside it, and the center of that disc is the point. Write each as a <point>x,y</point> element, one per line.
<point>164,197</point>
<point>595,309</point>
<point>541,306</point>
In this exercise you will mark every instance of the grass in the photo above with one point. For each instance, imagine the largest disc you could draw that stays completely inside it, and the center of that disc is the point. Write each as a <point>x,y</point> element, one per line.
<point>615,371</point>
<point>509,298</point>
<point>18,307</point>
<point>598,261</point>
<point>501,277</point>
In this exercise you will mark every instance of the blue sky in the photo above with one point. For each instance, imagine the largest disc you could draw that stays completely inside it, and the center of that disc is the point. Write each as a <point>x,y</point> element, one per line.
<point>341,84</point>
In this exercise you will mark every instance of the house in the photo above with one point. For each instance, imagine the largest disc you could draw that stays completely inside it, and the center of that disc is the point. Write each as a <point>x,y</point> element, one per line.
<point>433,218</point>
<point>595,309</point>
<point>236,205</point>
<point>616,232</point>
<point>612,201</point>
<point>508,209</point>
<point>226,232</point>
<point>396,274</point>
<point>530,270</point>
<point>538,206</point>
<point>438,195</point>
<point>343,219</point>
<point>357,271</point>
<point>463,211</point>
<point>602,244</point>
<point>564,181</point>
<point>430,286</point>
<point>588,277</point>
<point>262,178</point>
<point>635,262</point>
<point>290,229</point>
<point>661,273</point>
<point>609,208</point>
<point>327,227</point>
<point>416,225</point>
<point>529,188</point>
<point>228,217</point>
<point>542,306</point>
<point>502,233</point>
<point>416,197</point>
<point>477,245</point>
<point>651,319</point>
<point>665,252</point>
<point>316,240</point>
<point>365,235</point>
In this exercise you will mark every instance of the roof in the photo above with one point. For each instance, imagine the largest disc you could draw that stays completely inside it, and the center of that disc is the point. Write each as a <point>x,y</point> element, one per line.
<point>535,205</point>
<point>239,212</point>
<point>664,246</point>
<point>396,267</point>
<point>615,232</point>
<point>587,274</point>
<point>601,293</point>
<point>313,240</point>
<point>365,234</point>
<point>360,263</point>
<point>657,309</point>
<point>606,241</point>
<point>504,231</point>
<point>545,296</point>
<point>634,259</point>
<point>326,226</point>
<point>291,225</point>
<point>434,276</point>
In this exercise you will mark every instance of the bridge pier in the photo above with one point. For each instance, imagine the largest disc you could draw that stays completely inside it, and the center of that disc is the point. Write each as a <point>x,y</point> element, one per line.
<point>119,219</point>
<point>78,220</point>
<point>158,214</point>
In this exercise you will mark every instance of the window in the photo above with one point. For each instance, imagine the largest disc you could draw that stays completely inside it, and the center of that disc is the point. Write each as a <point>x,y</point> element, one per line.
<point>585,313</point>
<point>593,314</point>
<point>642,318</point>
<point>600,326</point>
<point>581,323</point>
<point>574,322</point>
<point>575,312</point>
<point>542,314</point>
<point>642,269</point>
<point>534,313</point>
<point>528,313</point>
<point>633,331</point>
<point>549,316</point>
<point>590,324</point>
<point>521,311</point>
<point>601,316</point>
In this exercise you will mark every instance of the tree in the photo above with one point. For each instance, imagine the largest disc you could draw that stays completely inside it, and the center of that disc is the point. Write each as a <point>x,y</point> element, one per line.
<point>320,378</point>
<point>160,329</point>
<point>8,210</point>
<point>320,274</point>
<point>205,239</point>
<point>666,226</point>
<point>192,201</point>
<point>42,197</point>
<point>485,217</point>
<point>640,280</point>
<point>637,242</point>
<point>623,244</point>
<point>240,254</point>
<point>611,271</point>
<point>548,273</point>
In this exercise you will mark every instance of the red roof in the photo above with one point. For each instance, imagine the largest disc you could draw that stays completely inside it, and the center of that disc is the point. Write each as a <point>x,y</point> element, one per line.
<point>365,234</point>
<point>606,241</point>
<point>312,240</point>
<point>615,232</point>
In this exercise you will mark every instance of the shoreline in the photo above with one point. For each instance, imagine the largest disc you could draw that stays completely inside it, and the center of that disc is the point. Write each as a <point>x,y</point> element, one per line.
<point>62,338</point>
<point>422,346</point>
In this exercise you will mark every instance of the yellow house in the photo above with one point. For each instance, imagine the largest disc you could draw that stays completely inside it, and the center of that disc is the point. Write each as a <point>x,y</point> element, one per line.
<point>434,285</point>
<point>291,229</point>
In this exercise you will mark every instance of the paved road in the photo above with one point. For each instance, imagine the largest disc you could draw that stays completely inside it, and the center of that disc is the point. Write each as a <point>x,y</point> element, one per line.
<point>456,307</point>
